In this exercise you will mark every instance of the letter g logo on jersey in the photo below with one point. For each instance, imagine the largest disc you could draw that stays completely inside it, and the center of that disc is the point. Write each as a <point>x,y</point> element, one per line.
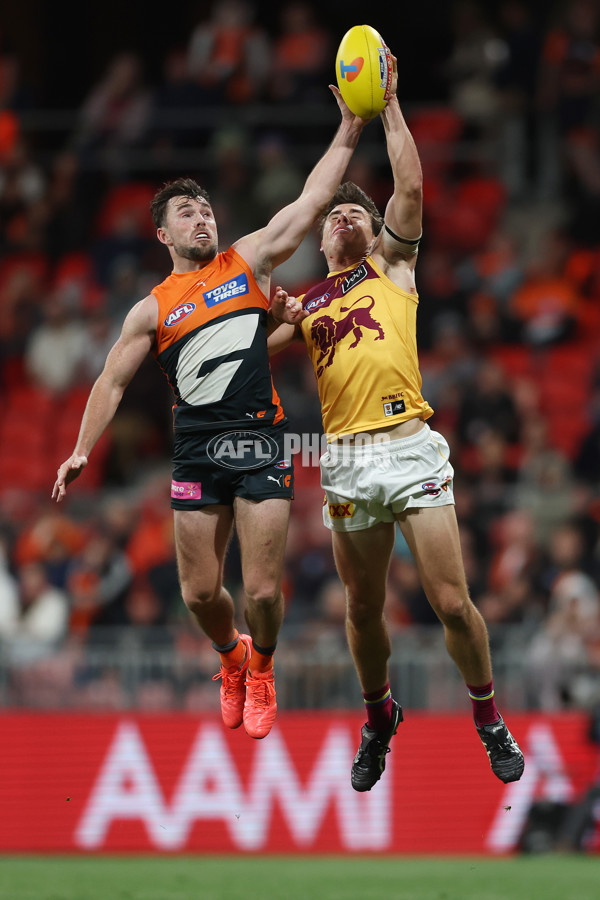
<point>179,314</point>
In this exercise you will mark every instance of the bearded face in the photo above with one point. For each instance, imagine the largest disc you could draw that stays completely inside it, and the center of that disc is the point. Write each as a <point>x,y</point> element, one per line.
<point>190,230</point>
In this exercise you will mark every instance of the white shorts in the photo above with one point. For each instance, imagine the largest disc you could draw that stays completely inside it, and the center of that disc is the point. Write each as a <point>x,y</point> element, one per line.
<point>374,482</point>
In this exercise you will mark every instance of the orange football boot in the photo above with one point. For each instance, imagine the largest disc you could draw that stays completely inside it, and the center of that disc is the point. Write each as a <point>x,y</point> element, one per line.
<point>260,707</point>
<point>233,687</point>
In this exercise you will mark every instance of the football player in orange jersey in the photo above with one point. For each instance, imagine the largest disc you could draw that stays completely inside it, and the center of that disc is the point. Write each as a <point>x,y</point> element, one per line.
<point>207,326</point>
<point>384,464</point>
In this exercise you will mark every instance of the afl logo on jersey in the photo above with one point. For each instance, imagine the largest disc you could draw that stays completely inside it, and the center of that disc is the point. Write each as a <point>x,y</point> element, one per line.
<point>179,314</point>
<point>316,303</point>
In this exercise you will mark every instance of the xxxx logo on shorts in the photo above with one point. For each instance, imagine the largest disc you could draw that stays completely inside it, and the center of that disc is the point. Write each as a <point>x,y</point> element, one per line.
<point>341,510</point>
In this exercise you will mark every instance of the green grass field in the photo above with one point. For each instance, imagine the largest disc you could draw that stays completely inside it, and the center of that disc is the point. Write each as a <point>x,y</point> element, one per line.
<point>551,877</point>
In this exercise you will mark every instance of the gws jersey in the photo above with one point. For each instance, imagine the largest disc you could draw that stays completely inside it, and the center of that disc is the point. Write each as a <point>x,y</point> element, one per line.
<point>361,337</point>
<point>211,344</point>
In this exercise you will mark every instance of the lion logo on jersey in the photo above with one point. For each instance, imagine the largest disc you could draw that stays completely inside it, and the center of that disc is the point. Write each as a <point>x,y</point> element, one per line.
<point>326,332</point>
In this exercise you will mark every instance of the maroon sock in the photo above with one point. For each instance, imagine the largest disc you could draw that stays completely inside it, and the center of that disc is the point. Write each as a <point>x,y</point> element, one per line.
<point>379,708</point>
<point>483,703</point>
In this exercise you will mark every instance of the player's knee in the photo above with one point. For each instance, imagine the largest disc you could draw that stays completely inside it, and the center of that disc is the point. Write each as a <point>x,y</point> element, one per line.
<point>197,599</point>
<point>263,596</point>
<point>361,608</point>
<point>453,606</point>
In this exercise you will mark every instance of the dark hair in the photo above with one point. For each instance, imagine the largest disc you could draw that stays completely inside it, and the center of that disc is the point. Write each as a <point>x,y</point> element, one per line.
<point>351,193</point>
<point>181,187</point>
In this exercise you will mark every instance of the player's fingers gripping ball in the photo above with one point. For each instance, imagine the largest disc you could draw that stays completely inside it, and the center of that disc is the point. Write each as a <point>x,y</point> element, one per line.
<point>364,71</point>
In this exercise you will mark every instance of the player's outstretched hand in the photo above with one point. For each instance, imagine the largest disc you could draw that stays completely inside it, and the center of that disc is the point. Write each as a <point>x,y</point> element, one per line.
<point>68,472</point>
<point>286,309</point>
<point>345,111</point>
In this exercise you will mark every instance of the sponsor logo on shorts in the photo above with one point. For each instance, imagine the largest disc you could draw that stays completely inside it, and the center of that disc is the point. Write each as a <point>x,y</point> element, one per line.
<point>355,277</point>
<point>316,303</point>
<point>243,450</point>
<point>186,490</point>
<point>281,480</point>
<point>434,488</point>
<point>341,510</point>
<point>233,288</point>
<point>283,464</point>
<point>179,314</point>
<point>394,408</point>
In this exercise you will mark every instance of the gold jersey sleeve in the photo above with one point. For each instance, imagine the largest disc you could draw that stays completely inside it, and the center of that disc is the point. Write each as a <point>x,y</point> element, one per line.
<point>361,337</point>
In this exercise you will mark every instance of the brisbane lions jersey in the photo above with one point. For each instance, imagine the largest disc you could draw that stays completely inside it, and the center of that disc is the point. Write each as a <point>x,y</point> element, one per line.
<point>211,344</point>
<point>361,337</point>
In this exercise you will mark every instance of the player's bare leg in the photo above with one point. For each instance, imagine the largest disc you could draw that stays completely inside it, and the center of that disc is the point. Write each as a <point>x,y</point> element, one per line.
<point>262,529</point>
<point>433,537</point>
<point>362,559</point>
<point>201,538</point>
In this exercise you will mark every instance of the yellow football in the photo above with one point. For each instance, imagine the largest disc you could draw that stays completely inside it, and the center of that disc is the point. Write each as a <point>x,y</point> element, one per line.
<point>363,68</point>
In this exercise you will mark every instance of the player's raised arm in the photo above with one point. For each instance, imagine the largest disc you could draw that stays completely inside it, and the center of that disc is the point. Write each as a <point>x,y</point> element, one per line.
<point>403,214</point>
<point>122,363</point>
<point>272,245</point>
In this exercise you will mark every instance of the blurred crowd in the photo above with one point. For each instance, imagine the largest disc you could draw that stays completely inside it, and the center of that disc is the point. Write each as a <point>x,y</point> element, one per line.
<point>509,328</point>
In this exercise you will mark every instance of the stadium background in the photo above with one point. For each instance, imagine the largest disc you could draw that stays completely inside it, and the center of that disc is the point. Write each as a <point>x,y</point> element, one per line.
<point>98,660</point>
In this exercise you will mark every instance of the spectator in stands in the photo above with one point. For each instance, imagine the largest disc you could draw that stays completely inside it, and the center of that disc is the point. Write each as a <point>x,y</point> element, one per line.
<point>301,55</point>
<point>98,580</point>
<point>232,185</point>
<point>515,79</point>
<point>228,55</point>
<point>545,486</point>
<point>491,470</point>
<point>567,552</point>
<point>470,67</point>
<point>68,224</point>
<point>568,82</point>
<point>569,78</point>
<point>558,652</point>
<point>100,334</point>
<point>488,405</point>
<point>15,93</point>
<point>114,115</point>
<point>546,305</point>
<point>56,349</point>
<point>22,189</point>
<point>35,627</point>
<point>277,179</point>
<point>174,123</point>
<point>50,539</point>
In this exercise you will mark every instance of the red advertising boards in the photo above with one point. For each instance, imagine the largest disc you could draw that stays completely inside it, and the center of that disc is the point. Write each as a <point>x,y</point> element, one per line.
<point>178,783</point>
